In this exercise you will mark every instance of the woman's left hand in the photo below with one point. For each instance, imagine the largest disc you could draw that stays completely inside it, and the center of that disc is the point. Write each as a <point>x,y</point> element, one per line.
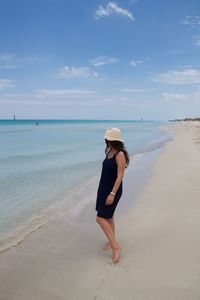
<point>110,199</point>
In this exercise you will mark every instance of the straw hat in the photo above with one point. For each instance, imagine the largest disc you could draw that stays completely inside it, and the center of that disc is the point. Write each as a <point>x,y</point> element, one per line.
<point>113,134</point>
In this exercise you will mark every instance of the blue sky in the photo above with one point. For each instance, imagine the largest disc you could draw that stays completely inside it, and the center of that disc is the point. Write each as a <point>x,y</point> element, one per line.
<point>96,59</point>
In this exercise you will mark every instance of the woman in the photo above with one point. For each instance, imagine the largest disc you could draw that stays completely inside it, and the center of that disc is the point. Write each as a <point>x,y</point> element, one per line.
<point>110,187</point>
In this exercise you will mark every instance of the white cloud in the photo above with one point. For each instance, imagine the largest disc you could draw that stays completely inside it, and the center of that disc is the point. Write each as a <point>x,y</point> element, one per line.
<point>6,83</point>
<point>73,72</point>
<point>103,60</point>
<point>131,90</point>
<point>189,66</point>
<point>72,93</point>
<point>13,61</point>
<point>192,21</point>
<point>6,61</point>
<point>190,98</point>
<point>174,77</point>
<point>112,8</point>
<point>15,98</point>
<point>134,63</point>
<point>177,51</point>
<point>51,97</point>
<point>6,57</point>
<point>174,96</point>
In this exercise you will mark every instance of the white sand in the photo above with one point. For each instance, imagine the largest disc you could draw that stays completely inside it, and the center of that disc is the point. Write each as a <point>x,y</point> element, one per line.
<point>160,236</point>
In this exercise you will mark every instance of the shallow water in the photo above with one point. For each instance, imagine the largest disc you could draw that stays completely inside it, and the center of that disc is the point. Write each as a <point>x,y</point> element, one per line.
<point>41,166</point>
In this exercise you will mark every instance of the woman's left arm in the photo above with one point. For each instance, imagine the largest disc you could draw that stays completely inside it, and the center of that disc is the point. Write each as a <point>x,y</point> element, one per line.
<point>121,165</point>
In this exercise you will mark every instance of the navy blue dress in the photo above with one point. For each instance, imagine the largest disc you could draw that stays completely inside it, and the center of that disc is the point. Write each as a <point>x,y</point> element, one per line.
<point>107,181</point>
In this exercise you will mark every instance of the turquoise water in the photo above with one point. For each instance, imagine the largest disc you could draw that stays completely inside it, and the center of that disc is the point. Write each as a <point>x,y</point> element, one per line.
<point>41,164</point>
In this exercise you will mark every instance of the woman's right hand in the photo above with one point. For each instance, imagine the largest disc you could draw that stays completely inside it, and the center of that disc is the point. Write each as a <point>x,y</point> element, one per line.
<point>110,199</point>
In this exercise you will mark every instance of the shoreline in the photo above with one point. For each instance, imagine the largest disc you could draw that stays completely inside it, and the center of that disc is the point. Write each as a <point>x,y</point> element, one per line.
<point>158,233</point>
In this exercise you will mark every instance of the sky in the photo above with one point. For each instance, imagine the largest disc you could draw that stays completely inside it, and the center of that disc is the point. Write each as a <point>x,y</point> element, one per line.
<point>97,59</point>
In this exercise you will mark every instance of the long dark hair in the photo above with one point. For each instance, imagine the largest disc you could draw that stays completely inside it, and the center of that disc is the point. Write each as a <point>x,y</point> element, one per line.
<point>119,146</point>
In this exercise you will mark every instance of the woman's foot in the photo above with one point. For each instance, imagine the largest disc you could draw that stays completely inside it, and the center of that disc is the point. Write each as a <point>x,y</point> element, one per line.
<point>107,246</point>
<point>116,255</point>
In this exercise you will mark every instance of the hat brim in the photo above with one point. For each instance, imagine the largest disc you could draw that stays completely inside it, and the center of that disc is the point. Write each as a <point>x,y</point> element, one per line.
<point>112,140</point>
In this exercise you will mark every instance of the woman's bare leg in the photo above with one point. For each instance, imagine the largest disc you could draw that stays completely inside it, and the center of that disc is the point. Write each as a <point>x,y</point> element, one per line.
<point>107,246</point>
<point>112,224</point>
<point>107,229</point>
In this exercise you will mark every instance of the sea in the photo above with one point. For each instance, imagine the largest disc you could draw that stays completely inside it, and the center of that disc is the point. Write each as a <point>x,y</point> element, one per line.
<point>45,163</point>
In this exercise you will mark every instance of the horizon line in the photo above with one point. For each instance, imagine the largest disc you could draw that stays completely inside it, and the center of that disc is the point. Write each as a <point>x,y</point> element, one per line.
<point>78,119</point>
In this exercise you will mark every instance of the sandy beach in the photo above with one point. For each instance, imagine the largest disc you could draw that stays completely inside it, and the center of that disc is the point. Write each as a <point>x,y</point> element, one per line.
<point>159,234</point>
